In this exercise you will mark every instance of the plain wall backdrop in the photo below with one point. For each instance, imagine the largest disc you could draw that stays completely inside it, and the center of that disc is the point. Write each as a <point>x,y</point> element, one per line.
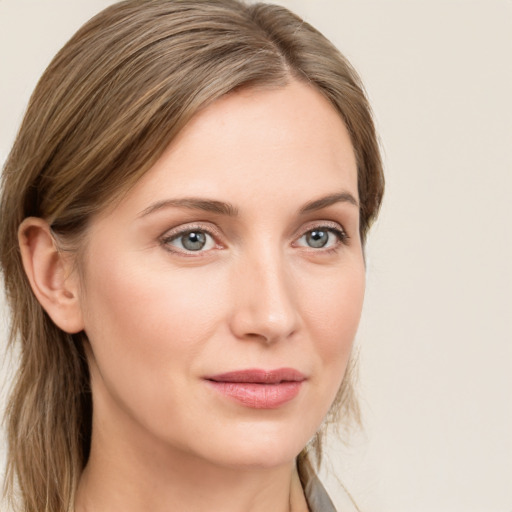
<point>436,335</point>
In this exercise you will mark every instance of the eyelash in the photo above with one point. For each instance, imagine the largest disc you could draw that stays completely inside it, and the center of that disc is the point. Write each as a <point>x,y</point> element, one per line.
<point>166,240</point>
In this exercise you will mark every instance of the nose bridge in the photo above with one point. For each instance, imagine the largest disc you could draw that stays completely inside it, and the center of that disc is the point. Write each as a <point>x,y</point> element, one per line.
<point>265,304</point>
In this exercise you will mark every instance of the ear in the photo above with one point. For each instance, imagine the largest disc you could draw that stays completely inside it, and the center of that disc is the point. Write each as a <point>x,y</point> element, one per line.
<point>51,274</point>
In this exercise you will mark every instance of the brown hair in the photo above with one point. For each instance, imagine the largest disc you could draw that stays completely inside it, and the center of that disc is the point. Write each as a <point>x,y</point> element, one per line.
<point>101,115</point>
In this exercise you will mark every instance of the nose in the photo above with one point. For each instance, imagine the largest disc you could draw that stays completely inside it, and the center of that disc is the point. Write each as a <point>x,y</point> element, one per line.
<point>264,305</point>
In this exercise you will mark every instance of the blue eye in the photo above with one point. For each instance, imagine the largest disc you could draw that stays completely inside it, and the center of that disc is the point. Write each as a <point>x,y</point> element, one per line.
<point>194,240</point>
<point>322,238</point>
<point>317,238</point>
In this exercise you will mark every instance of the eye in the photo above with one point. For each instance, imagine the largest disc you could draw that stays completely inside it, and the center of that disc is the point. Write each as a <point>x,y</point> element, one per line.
<point>192,240</point>
<point>322,237</point>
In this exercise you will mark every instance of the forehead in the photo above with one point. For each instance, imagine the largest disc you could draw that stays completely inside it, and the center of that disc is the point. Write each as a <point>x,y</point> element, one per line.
<point>256,144</point>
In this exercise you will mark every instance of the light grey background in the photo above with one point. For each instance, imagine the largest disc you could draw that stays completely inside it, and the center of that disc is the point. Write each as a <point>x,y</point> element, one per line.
<point>436,335</point>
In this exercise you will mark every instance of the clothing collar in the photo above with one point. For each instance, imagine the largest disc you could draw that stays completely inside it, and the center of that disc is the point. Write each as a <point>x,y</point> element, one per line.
<point>316,495</point>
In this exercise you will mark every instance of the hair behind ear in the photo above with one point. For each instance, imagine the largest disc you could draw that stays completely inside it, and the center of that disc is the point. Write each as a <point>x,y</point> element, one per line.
<point>52,382</point>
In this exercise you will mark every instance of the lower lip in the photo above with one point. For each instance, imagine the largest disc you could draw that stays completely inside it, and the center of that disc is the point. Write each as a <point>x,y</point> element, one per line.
<point>259,396</point>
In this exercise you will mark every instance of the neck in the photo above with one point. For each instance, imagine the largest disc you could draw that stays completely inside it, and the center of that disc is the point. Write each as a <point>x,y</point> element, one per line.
<point>136,476</point>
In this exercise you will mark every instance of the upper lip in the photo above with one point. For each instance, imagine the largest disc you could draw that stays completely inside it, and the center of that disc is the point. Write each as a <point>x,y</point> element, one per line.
<point>259,376</point>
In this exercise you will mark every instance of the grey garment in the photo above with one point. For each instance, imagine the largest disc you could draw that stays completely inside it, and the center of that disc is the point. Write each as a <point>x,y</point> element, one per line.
<point>316,496</point>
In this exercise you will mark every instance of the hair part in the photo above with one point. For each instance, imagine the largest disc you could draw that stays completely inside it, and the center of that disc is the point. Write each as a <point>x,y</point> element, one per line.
<point>101,115</point>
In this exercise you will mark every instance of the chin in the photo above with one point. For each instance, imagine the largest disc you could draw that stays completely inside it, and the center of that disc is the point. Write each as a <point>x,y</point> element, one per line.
<point>258,448</point>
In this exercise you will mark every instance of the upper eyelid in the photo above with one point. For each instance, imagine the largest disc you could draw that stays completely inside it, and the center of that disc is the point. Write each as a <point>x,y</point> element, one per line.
<point>185,228</point>
<point>322,224</point>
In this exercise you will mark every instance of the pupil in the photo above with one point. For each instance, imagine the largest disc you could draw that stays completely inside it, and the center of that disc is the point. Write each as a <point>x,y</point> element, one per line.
<point>317,238</point>
<point>194,241</point>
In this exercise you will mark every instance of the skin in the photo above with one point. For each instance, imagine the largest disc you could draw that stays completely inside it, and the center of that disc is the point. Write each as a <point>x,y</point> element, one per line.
<point>160,318</point>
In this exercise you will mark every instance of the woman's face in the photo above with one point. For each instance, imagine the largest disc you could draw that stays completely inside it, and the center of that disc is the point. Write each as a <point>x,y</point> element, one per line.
<point>222,295</point>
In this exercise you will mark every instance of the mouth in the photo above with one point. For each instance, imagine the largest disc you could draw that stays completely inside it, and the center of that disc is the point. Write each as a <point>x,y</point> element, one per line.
<point>259,389</point>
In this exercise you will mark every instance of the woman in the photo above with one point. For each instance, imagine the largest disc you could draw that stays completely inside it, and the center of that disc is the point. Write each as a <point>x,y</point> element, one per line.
<point>190,192</point>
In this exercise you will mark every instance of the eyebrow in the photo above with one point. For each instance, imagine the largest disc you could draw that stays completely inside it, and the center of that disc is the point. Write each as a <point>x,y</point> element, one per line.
<point>223,208</point>
<point>193,203</point>
<point>324,202</point>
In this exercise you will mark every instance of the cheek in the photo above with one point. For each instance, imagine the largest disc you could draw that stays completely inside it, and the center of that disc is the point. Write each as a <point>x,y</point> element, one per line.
<point>333,312</point>
<point>146,327</point>
<point>335,308</point>
<point>147,304</point>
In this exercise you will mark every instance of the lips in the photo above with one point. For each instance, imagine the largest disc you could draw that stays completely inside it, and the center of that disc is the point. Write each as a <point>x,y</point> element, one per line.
<point>259,389</point>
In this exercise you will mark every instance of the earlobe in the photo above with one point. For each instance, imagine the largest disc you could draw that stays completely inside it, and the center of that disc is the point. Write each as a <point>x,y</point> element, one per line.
<point>50,274</point>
